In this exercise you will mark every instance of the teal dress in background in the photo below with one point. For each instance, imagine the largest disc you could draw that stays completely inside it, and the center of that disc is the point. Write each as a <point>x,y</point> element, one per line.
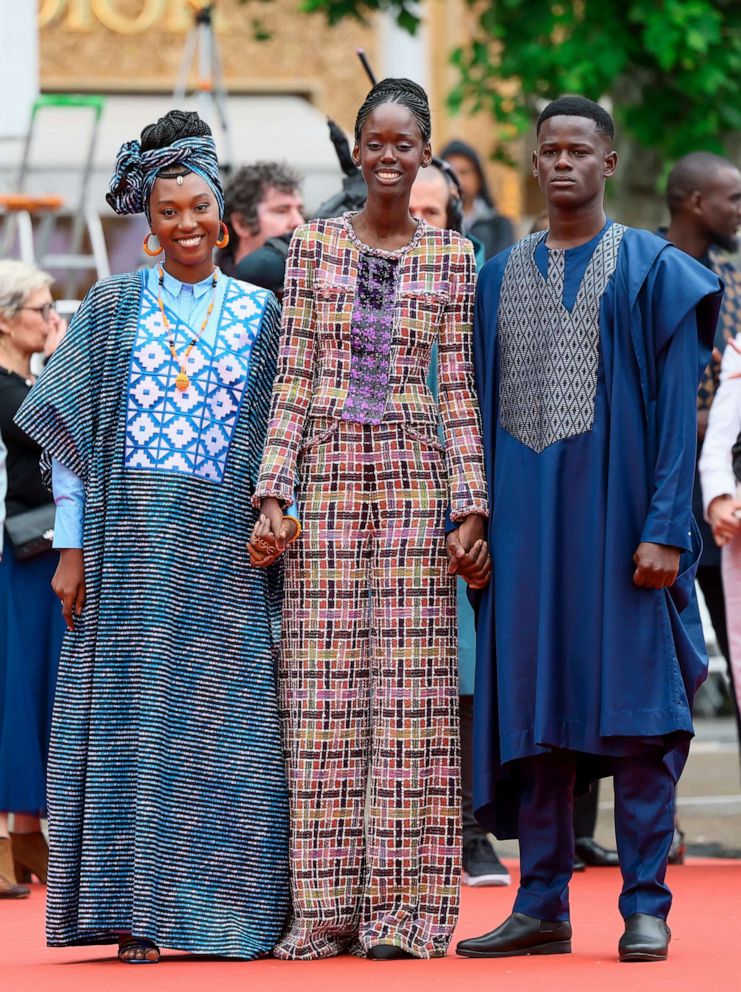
<point>466,621</point>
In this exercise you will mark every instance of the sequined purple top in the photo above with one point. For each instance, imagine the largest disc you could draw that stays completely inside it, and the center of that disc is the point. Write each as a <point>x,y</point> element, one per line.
<point>372,326</point>
<point>371,330</point>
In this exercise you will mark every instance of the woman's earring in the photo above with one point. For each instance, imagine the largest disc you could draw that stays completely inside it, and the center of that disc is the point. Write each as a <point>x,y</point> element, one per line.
<point>224,239</point>
<point>152,252</point>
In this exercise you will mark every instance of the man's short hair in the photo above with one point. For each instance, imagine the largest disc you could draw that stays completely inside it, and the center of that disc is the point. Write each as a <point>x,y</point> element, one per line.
<point>246,189</point>
<point>692,173</point>
<point>579,106</point>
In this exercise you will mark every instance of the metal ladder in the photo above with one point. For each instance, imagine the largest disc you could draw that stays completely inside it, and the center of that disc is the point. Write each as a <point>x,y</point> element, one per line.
<point>19,208</point>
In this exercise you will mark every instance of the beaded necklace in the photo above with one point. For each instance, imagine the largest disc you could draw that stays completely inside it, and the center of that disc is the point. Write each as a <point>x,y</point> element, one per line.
<point>182,380</point>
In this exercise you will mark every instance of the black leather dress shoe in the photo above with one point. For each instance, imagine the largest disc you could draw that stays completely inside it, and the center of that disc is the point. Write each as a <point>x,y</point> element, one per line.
<point>519,934</point>
<point>387,952</point>
<point>646,938</point>
<point>594,854</point>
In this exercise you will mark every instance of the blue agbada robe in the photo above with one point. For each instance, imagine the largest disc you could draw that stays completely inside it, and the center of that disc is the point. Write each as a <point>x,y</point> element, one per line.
<point>580,657</point>
<point>168,807</point>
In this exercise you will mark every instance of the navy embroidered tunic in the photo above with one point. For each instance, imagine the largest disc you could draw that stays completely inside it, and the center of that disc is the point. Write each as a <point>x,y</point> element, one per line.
<point>587,409</point>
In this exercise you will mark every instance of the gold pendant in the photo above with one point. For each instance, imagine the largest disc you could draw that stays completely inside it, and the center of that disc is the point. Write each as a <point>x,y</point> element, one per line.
<point>182,382</point>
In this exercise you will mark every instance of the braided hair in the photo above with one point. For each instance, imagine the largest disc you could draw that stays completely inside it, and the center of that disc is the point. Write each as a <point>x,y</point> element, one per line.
<point>174,125</point>
<point>178,143</point>
<point>403,91</point>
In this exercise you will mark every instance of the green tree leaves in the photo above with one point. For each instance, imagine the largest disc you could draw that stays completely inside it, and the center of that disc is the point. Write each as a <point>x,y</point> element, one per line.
<point>671,67</point>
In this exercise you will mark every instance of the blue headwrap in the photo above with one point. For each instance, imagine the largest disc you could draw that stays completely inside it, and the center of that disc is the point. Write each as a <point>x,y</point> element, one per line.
<point>136,171</point>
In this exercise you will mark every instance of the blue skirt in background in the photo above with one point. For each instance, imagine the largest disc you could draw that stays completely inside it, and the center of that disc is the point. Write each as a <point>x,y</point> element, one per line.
<point>31,631</point>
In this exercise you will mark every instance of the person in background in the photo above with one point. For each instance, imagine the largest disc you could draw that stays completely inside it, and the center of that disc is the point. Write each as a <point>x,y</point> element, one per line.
<point>31,625</point>
<point>720,474</point>
<point>168,809</point>
<point>436,198</point>
<point>704,199</point>
<point>262,202</point>
<point>480,215</point>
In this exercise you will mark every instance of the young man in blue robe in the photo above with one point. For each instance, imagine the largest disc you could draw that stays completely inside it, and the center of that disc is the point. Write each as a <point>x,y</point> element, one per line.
<point>590,339</point>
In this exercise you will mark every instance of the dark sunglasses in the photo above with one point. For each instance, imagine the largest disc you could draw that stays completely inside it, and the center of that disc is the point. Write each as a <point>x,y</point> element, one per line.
<point>45,309</point>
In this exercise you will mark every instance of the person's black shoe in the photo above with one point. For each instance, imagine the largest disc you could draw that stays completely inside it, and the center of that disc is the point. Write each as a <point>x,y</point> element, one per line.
<point>595,855</point>
<point>646,938</point>
<point>387,952</point>
<point>481,866</point>
<point>519,934</point>
<point>579,865</point>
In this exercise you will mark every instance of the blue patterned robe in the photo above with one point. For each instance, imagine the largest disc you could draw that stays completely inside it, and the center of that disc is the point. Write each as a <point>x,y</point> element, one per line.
<point>167,802</point>
<point>589,427</point>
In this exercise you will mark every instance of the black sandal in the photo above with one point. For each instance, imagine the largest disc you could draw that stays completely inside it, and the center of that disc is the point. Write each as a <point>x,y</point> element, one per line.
<point>136,946</point>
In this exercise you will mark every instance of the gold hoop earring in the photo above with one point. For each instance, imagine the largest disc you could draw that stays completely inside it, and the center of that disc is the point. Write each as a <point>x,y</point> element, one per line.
<point>148,250</point>
<point>224,239</point>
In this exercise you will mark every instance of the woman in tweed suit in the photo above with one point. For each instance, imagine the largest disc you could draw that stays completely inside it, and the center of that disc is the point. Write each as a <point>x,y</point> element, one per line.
<point>368,679</point>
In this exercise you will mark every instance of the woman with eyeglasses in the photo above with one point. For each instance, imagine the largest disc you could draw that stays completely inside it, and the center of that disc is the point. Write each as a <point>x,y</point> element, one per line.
<point>31,627</point>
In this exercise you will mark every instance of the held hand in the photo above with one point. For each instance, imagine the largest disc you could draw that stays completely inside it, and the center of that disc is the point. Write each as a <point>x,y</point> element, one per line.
<point>476,566</point>
<point>263,546</point>
<point>656,565</point>
<point>280,530</point>
<point>724,514</point>
<point>68,584</point>
<point>462,539</point>
<point>468,554</point>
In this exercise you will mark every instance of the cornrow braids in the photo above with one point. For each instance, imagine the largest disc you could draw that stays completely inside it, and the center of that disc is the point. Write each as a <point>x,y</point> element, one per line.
<point>403,91</point>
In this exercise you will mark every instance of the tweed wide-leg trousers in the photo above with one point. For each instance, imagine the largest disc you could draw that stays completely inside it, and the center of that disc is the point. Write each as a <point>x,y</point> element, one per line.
<point>369,696</point>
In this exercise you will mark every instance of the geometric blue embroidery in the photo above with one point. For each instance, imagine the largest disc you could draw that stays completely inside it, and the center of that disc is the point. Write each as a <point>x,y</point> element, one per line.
<point>190,432</point>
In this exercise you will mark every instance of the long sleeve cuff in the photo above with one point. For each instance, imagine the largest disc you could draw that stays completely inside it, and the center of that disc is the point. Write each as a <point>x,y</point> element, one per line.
<point>69,497</point>
<point>454,520</point>
<point>668,532</point>
<point>458,512</point>
<point>283,493</point>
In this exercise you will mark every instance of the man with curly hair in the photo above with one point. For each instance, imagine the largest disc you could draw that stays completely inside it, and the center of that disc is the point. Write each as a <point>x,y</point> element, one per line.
<point>263,201</point>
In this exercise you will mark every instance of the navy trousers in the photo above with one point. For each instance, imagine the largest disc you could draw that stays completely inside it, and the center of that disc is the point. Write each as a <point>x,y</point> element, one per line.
<point>644,827</point>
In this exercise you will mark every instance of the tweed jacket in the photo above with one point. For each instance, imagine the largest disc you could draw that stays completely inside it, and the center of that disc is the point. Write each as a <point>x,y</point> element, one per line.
<point>729,325</point>
<point>434,302</point>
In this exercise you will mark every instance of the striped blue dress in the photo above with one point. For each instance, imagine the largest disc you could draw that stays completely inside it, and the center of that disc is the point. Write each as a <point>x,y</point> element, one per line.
<point>167,800</point>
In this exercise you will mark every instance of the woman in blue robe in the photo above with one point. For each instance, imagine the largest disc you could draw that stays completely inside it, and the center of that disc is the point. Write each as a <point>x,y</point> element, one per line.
<point>167,801</point>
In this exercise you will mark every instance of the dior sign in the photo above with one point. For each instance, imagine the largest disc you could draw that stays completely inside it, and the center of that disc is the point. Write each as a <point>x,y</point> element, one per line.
<point>86,15</point>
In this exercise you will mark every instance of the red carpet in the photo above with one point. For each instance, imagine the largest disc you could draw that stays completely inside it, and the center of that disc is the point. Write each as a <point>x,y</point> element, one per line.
<point>705,953</point>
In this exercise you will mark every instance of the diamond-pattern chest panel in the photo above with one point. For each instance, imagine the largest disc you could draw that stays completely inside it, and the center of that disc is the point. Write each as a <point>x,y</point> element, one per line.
<point>548,356</point>
<point>189,432</point>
